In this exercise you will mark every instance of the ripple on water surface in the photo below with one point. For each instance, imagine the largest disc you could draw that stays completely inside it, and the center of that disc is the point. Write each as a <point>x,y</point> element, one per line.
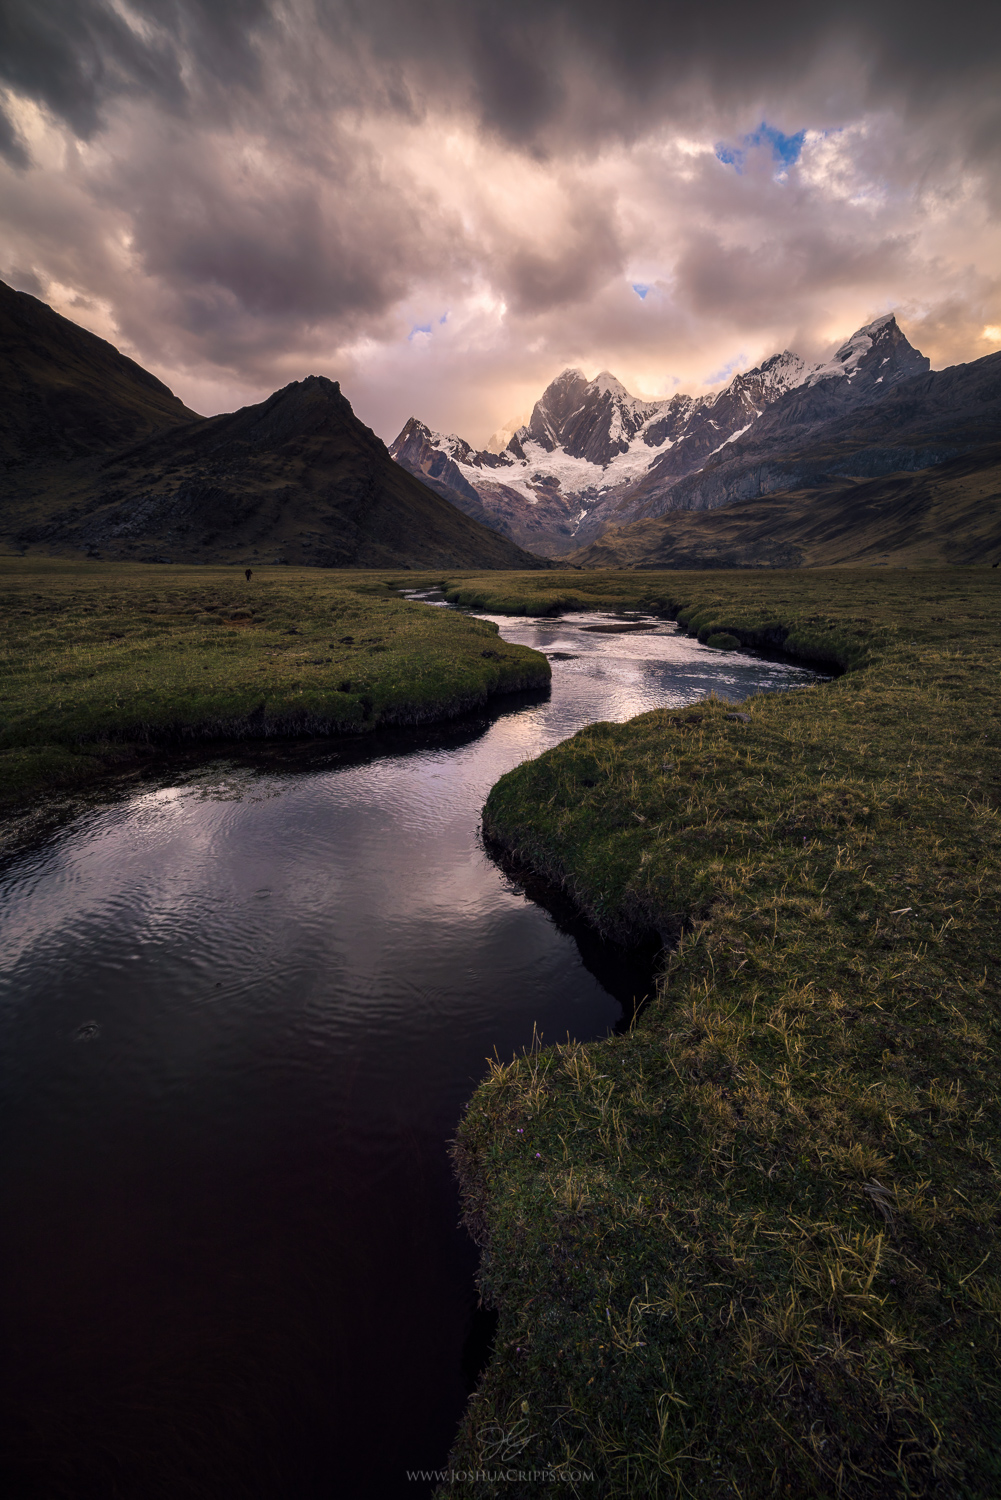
<point>239,1017</point>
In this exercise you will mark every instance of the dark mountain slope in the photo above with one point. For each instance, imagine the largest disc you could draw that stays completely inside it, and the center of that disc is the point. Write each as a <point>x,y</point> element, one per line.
<point>97,455</point>
<point>922,420</point>
<point>947,514</point>
<point>298,478</point>
<point>67,395</point>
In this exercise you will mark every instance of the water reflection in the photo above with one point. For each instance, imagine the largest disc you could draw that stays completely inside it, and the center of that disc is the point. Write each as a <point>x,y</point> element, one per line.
<point>239,1016</point>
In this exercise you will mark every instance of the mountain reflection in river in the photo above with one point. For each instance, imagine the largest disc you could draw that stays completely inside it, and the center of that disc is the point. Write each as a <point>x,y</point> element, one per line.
<point>240,1015</point>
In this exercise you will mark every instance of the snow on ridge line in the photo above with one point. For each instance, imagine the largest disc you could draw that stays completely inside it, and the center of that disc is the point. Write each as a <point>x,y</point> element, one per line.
<point>537,472</point>
<point>846,360</point>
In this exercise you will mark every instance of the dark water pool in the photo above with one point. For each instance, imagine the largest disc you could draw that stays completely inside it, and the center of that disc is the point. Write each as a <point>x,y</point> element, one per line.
<point>240,1014</point>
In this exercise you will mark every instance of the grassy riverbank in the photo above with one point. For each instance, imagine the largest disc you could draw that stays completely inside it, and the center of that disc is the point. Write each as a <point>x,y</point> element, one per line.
<point>750,1248</point>
<point>102,662</point>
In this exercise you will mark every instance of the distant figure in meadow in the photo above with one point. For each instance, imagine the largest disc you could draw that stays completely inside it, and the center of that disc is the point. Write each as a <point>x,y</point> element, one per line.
<point>249,572</point>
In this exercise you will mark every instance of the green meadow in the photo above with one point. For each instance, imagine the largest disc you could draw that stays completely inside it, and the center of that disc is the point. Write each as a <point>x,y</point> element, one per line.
<point>102,664</point>
<point>750,1247</point>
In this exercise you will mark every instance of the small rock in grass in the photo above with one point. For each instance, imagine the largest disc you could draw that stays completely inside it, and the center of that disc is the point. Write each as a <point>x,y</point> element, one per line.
<point>739,718</point>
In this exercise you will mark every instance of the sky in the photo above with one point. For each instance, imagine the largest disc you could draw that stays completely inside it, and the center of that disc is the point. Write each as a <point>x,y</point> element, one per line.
<point>443,203</point>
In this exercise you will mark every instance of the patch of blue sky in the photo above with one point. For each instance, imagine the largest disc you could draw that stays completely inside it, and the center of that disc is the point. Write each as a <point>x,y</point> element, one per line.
<point>785,149</point>
<point>726,370</point>
<point>419,328</point>
<point>641,289</point>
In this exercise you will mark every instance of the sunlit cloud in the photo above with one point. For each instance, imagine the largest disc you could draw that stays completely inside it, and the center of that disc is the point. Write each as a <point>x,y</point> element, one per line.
<point>443,206</point>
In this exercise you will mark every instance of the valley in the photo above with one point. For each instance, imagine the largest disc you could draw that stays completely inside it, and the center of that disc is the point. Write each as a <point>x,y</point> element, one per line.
<point>744,1231</point>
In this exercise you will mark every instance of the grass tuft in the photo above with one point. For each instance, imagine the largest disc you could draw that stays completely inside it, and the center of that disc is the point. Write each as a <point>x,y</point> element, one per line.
<point>755,1252</point>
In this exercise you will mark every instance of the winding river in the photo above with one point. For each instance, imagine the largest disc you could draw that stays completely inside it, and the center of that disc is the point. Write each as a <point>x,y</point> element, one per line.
<point>240,1013</point>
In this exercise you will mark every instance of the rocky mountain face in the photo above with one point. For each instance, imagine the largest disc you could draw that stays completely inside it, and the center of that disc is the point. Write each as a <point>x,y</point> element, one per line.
<point>98,458</point>
<point>593,456</point>
<point>945,515</point>
<point>811,439</point>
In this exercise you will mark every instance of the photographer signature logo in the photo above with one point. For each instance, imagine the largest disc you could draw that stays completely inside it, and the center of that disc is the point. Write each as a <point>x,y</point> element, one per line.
<point>505,1444</point>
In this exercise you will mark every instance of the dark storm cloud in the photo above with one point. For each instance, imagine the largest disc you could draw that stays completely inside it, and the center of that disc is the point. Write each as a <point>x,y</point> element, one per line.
<point>324,241</point>
<point>76,56</point>
<point>11,146</point>
<point>529,67</point>
<point>753,285</point>
<point>248,189</point>
<point>585,254</point>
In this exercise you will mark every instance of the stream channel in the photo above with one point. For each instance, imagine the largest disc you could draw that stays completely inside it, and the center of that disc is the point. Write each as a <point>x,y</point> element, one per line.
<point>241,1010</point>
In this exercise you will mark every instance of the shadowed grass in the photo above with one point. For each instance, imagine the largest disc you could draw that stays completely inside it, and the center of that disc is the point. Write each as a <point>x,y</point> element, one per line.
<point>99,662</point>
<point>750,1247</point>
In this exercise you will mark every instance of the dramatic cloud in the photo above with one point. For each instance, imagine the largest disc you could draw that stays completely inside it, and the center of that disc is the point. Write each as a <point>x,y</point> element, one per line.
<point>443,202</point>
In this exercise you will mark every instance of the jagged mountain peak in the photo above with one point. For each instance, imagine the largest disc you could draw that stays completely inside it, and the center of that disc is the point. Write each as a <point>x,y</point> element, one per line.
<point>881,322</point>
<point>774,376</point>
<point>572,375</point>
<point>591,420</point>
<point>414,427</point>
<point>609,384</point>
<point>786,364</point>
<point>878,350</point>
<point>594,455</point>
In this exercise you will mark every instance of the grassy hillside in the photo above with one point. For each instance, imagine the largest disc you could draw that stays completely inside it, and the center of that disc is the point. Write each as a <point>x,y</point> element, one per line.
<point>296,479</point>
<point>101,663</point>
<point>66,395</point>
<point>947,514</point>
<point>99,459</point>
<point>749,1248</point>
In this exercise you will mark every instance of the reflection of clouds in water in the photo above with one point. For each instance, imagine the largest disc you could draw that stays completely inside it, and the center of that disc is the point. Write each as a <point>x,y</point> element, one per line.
<point>665,643</point>
<point>616,676</point>
<point>157,865</point>
<point>296,994</point>
<point>379,843</point>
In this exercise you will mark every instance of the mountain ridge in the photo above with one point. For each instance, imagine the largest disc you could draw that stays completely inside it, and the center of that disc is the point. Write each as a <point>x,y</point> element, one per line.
<point>67,395</point>
<point>296,478</point>
<point>592,456</point>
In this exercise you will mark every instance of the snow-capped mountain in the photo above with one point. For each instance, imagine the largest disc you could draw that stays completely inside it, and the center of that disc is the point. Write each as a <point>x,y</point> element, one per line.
<point>593,455</point>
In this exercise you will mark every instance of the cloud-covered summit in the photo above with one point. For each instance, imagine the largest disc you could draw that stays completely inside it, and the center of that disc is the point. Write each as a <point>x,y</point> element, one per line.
<point>462,197</point>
